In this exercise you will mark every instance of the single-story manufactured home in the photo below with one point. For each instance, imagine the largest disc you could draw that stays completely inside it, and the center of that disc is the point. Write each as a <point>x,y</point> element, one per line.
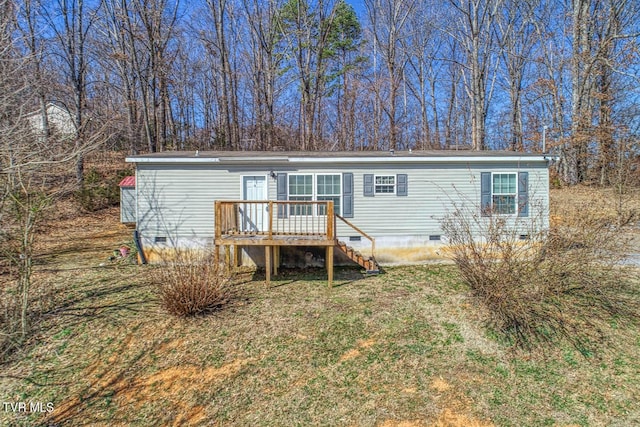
<point>390,204</point>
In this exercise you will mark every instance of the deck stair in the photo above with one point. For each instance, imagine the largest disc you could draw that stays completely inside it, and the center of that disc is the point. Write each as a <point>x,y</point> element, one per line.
<point>368,263</point>
<point>273,224</point>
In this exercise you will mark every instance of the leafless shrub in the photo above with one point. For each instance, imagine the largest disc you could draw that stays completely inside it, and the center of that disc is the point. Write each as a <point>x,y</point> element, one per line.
<point>190,283</point>
<point>541,284</point>
<point>21,212</point>
<point>9,319</point>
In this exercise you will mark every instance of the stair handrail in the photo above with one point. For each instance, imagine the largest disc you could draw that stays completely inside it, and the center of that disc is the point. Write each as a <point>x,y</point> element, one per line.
<point>372,239</point>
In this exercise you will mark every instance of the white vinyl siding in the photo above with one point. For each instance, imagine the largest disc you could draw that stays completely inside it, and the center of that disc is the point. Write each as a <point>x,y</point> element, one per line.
<point>127,205</point>
<point>178,199</point>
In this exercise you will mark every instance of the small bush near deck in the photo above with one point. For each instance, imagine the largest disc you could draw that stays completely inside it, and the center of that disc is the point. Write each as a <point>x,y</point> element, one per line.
<point>190,284</point>
<point>566,282</point>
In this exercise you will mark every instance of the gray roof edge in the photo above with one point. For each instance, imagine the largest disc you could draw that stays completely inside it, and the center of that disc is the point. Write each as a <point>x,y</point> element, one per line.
<point>335,157</point>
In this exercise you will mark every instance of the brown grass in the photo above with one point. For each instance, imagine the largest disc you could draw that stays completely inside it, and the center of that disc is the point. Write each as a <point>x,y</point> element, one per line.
<point>620,208</point>
<point>107,353</point>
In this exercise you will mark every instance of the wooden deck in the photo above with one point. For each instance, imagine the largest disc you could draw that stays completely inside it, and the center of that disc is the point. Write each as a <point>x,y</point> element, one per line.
<point>274,224</point>
<point>276,240</point>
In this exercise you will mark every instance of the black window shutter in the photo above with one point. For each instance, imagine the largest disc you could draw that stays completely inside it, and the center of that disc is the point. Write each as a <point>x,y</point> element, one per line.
<point>523,194</point>
<point>485,193</point>
<point>368,185</point>
<point>282,193</point>
<point>347,195</point>
<point>402,184</point>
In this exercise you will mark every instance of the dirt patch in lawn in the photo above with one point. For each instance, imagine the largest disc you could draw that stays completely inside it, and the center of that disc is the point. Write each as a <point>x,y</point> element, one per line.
<point>393,423</point>
<point>456,405</point>
<point>450,418</point>
<point>447,418</point>
<point>171,383</point>
<point>355,352</point>
<point>167,385</point>
<point>440,385</point>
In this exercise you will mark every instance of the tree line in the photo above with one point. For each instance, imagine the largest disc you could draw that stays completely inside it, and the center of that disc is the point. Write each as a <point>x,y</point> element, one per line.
<point>156,75</point>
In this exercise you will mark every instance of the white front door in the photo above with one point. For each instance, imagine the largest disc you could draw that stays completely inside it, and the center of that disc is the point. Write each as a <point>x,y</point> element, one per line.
<point>254,215</point>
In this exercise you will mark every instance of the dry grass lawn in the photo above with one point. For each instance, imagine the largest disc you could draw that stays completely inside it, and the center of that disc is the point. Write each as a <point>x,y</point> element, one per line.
<point>405,348</point>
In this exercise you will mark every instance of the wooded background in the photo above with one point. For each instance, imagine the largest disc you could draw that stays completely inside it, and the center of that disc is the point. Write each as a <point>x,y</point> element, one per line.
<point>156,75</point>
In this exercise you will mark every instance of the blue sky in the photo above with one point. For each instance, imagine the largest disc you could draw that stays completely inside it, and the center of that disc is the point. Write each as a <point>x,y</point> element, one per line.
<point>358,6</point>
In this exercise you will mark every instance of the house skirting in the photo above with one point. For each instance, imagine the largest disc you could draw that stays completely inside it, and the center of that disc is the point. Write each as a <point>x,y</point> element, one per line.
<point>389,250</point>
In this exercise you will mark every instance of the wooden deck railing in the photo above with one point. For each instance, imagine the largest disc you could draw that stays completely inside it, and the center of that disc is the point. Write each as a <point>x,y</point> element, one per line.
<point>362,233</point>
<point>274,218</point>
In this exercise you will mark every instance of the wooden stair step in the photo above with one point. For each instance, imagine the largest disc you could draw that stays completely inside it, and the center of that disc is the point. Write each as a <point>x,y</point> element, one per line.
<point>373,267</point>
<point>368,263</point>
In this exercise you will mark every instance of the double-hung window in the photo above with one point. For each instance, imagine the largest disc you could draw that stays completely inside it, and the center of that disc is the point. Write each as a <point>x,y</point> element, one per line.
<point>300,189</point>
<point>504,192</point>
<point>320,187</point>
<point>385,184</point>
<point>328,188</point>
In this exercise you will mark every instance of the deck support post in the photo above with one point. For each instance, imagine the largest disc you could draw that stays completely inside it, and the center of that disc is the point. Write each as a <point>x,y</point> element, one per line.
<point>236,256</point>
<point>227,258</point>
<point>296,223</point>
<point>267,264</point>
<point>276,259</point>
<point>216,256</point>
<point>329,263</point>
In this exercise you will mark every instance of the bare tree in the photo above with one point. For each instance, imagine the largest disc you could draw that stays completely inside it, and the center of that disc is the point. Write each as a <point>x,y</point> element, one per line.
<point>582,86</point>
<point>516,39</point>
<point>71,22</point>
<point>475,19</point>
<point>550,75</point>
<point>598,30</point>
<point>456,133</point>
<point>422,49</point>
<point>306,29</point>
<point>240,74</point>
<point>119,58</point>
<point>140,35</point>
<point>186,72</point>
<point>158,19</point>
<point>388,19</point>
<point>31,35</point>
<point>264,63</point>
<point>219,44</point>
<point>616,38</point>
<point>27,163</point>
